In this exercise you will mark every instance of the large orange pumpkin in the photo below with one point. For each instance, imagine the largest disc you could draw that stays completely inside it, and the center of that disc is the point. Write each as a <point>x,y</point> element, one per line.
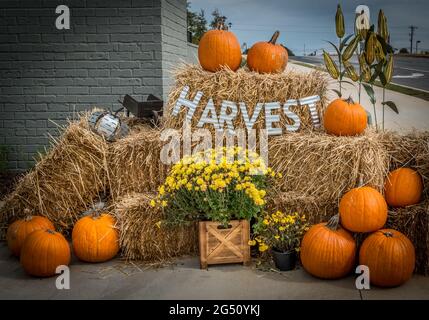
<point>20,229</point>
<point>390,257</point>
<point>363,210</point>
<point>218,48</point>
<point>345,118</point>
<point>403,187</point>
<point>328,251</point>
<point>43,251</point>
<point>267,57</point>
<point>95,238</point>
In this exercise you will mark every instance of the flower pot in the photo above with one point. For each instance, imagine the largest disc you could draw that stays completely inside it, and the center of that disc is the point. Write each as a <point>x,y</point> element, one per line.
<point>284,261</point>
<point>219,245</point>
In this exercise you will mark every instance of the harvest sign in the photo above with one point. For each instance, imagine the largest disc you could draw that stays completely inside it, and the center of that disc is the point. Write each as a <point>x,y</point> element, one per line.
<point>229,112</point>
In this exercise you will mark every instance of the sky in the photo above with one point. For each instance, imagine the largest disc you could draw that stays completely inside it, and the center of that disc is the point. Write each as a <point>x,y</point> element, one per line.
<point>311,22</point>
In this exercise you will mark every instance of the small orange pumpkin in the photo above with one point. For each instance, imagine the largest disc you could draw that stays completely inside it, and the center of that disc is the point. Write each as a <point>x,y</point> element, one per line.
<point>267,57</point>
<point>95,238</point>
<point>20,229</point>
<point>43,251</point>
<point>345,118</point>
<point>363,209</point>
<point>328,251</point>
<point>390,257</point>
<point>218,48</point>
<point>404,187</point>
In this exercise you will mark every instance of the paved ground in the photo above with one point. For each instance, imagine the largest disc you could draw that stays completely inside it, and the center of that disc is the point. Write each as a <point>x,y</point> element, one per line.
<point>413,112</point>
<point>184,280</point>
<point>408,71</point>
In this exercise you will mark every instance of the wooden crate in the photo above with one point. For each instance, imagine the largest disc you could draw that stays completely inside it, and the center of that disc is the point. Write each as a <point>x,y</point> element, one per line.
<point>219,245</point>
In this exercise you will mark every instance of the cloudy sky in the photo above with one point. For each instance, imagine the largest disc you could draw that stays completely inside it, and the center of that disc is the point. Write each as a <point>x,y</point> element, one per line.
<point>310,22</point>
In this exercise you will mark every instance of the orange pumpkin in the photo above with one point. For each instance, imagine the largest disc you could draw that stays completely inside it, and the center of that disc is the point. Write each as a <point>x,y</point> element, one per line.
<point>363,210</point>
<point>43,251</point>
<point>20,229</point>
<point>267,57</point>
<point>345,118</point>
<point>328,251</point>
<point>218,48</point>
<point>390,257</point>
<point>403,187</point>
<point>95,238</point>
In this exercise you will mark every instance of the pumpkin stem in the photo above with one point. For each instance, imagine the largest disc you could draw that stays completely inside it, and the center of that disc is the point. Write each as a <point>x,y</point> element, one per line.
<point>388,234</point>
<point>50,231</point>
<point>350,100</point>
<point>360,183</point>
<point>274,37</point>
<point>221,25</point>
<point>333,222</point>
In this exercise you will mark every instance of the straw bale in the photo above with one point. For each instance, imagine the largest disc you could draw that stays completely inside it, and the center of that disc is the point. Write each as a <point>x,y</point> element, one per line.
<point>134,162</point>
<point>324,167</point>
<point>65,181</point>
<point>413,221</point>
<point>248,87</point>
<point>141,239</point>
<point>410,150</point>
<point>313,208</point>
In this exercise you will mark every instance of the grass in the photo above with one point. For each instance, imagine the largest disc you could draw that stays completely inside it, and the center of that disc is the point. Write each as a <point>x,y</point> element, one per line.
<point>392,86</point>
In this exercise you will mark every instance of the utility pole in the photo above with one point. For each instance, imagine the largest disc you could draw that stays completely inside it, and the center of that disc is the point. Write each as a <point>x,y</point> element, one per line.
<point>304,49</point>
<point>412,28</point>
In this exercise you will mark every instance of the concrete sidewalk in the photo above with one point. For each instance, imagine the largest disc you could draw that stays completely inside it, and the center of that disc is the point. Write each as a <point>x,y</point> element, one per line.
<point>413,112</point>
<point>184,280</point>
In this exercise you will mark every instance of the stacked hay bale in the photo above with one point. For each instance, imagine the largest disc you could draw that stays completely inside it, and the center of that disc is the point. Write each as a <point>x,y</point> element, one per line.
<point>143,238</point>
<point>248,87</point>
<point>412,150</point>
<point>66,180</point>
<point>134,163</point>
<point>319,168</point>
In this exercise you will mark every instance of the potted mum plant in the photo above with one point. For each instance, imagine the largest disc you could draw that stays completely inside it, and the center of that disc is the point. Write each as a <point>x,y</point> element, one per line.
<point>282,233</point>
<point>222,189</point>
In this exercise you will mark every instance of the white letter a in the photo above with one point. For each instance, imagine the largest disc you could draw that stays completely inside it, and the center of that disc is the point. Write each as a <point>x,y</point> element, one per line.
<point>63,20</point>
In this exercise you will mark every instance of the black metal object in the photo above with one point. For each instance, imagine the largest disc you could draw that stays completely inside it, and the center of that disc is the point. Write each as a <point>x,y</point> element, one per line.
<point>151,108</point>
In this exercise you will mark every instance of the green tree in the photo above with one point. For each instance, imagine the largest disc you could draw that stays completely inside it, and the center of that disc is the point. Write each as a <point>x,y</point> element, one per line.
<point>219,18</point>
<point>197,25</point>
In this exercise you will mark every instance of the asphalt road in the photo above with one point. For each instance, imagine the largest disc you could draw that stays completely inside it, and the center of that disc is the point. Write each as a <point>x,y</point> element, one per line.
<point>408,71</point>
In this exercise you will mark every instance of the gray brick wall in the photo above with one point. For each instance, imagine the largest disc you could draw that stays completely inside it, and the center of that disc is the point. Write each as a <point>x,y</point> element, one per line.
<point>114,47</point>
<point>174,40</point>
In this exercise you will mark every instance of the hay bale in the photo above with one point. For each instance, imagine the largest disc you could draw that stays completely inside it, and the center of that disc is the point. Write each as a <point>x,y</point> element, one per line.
<point>413,221</point>
<point>65,181</point>
<point>314,209</point>
<point>141,239</point>
<point>134,162</point>
<point>322,166</point>
<point>248,87</point>
<point>410,150</point>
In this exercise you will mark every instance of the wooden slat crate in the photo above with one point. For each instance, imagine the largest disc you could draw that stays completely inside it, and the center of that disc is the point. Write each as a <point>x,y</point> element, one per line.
<point>219,246</point>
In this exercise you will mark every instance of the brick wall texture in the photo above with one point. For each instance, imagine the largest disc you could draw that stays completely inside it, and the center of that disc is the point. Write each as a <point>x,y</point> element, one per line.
<point>113,48</point>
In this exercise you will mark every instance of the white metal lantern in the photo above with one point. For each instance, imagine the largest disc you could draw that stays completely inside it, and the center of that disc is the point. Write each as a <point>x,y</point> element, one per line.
<point>108,125</point>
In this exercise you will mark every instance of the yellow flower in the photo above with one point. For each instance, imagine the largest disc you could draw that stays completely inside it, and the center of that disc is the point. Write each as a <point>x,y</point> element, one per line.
<point>263,247</point>
<point>251,242</point>
<point>161,190</point>
<point>152,203</point>
<point>158,224</point>
<point>277,237</point>
<point>266,222</point>
<point>163,203</point>
<point>282,228</point>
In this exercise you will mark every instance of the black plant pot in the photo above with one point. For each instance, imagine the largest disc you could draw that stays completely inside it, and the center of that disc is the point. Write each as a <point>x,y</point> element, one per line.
<point>284,261</point>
